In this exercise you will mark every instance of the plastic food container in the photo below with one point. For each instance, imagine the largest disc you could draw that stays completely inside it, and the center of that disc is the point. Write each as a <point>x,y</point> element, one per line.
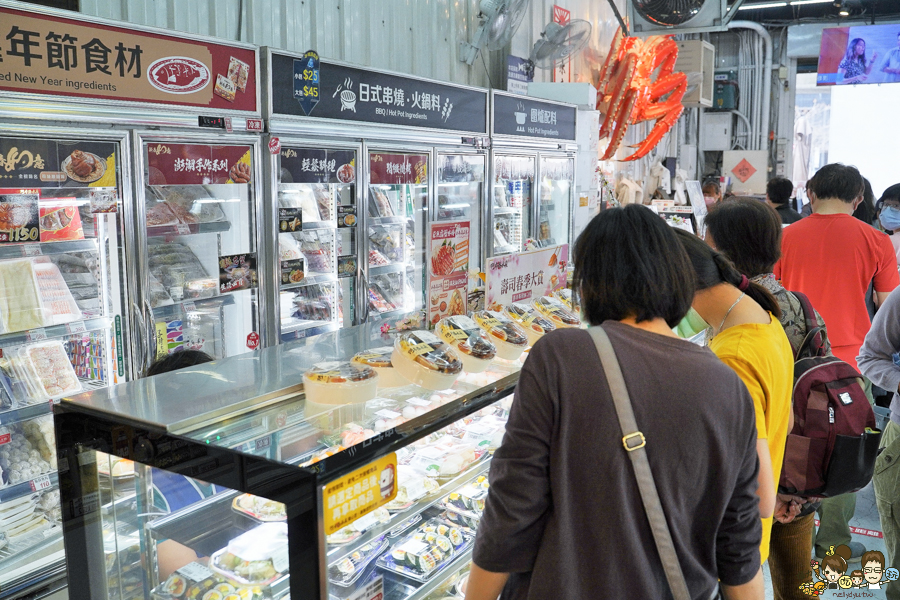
<point>255,558</point>
<point>422,358</point>
<point>565,296</point>
<point>412,486</point>
<point>380,360</point>
<point>346,571</point>
<point>21,306</point>
<point>429,550</point>
<point>56,299</point>
<point>340,382</point>
<point>445,458</point>
<point>52,368</point>
<point>351,532</point>
<point>190,582</point>
<point>556,312</point>
<point>529,319</point>
<point>469,500</point>
<point>510,339</point>
<point>470,342</point>
<point>258,508</point>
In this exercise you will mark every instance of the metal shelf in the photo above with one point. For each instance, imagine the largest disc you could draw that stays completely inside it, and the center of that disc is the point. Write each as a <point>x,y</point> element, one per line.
<point>19,250</point>
<point>316,225</point>
<point>388,220</point>
<point>310,280</point>
<point>506,210</point>
<point>21,337</point>
<point>172,310</point>
<point>305,329</point>
<point>192,229</point>
<point>24,413</point>
<point>21,489</point>
<point>392,268</point>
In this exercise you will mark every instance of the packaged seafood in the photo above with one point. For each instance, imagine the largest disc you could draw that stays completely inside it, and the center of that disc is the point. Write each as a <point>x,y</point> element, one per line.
<point>288,248</point>
<point>56,300</point>
<point>158,294</point>
<point>423,359</point>
<point>255,558</point>
<point>380,360</point>
<point>318,257</point>
<point>377,259</point>
<point>261,509</point>
<point>424,553</point>
<point>468,501</point>
<point>347,570</point>
<point>322,195</point>
<point>446,458</point>
<point>377,302</point>
<point>379,203</point>
<point>59,223</point>
<point>340,382</point>
<point>190,203</point>
<point>180,272</point>
<point>471,343</point>
<point>52,368</point>
<point>302,198</point>
<point>388,241</point>
<point>530,320</point>
<point>554,310</point>
<point>510,339</point>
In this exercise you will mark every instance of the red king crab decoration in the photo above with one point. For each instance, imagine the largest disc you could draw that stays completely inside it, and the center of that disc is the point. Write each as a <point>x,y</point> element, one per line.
<point>627,92</point>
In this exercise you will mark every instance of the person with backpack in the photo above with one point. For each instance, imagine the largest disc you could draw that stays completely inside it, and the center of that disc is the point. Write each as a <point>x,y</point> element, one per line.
<point>748,337</point>
<point>877,360</point>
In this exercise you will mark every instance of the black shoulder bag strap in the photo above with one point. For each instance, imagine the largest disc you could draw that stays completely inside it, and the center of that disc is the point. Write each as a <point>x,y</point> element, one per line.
<point>815,331</point>
<point>635,443</point>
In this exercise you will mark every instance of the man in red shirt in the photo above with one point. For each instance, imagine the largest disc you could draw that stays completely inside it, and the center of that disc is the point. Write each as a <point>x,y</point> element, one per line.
<point>832,258</point>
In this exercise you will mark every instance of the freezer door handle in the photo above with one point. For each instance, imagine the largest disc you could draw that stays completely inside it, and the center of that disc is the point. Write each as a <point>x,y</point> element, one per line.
<point>362,297</point>
<point>150,332</point>
<point>139,329</point>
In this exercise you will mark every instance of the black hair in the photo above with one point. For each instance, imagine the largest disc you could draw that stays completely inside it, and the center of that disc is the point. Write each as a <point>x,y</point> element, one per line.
<point>628,263</point>
<point>711,186</point>
<point>891,193</point>
<point>839,181</point>
<point>712,268</point>
<point>865,212</point>
<point>748,232</point>
<point>178,360</point>
<point>779,190</point>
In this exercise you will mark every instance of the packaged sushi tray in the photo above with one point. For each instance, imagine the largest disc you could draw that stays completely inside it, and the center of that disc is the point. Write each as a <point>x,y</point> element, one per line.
<point>425,360</point>
<point>426,552</point>
<point>354,530</point>
<point>561,316</point>
<point>529,319</point>
<point>260,509</point>
<point>346,571</point>
<point>509,338</point>
<point>468,501</point>
<point>255,558</point>
<point>412,486</point>
<point>472,344</point>
<point>446,458</point>
<point>195,581</point>
<point>404,526</point>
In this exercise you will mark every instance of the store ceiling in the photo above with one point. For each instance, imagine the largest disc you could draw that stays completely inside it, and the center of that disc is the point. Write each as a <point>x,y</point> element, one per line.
<point>787,12</point>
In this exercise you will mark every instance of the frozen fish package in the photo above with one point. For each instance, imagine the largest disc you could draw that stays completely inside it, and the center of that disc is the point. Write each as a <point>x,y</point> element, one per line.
<point>56,299</point>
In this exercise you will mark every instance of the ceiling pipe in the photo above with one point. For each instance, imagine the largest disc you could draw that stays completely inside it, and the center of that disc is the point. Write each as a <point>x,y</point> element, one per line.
<point>767,79</point>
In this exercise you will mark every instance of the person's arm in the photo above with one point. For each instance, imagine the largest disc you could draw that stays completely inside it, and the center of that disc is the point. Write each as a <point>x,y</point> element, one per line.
<point>484,585</point>
<point>752,590</point>
<point>766,480</point>
<point>871,63</point>
<point>886,275</point>
<point>883,340</point>
<point>880,298</point>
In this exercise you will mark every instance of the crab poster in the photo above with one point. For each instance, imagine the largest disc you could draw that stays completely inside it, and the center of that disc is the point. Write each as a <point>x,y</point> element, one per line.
<point>525,276</point>
<point>448,280</point>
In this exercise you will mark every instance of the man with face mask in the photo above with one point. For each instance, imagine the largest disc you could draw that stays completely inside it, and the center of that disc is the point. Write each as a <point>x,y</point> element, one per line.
<point>889,215</point>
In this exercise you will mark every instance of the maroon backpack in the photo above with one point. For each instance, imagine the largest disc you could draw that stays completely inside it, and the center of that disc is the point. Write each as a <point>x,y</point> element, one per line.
<point>832,448</point>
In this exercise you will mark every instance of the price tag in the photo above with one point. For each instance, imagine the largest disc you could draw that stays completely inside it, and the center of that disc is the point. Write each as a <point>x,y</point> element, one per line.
<point>372,591</point>
<point>280,560</point>
<point>414,547</point>
<point>189,307</point>
<point>195,571</point>
<point>5,438</point>
<point>456,334</point>
<point>419,402</point>
<point>182,229</point>
<point>387,414</point>
<point>419,349</point>
<point>36,335</point>
<point>76,327</point>
<point>31,250</point>
<point>41,483</point>
<point>463,322</point>
<point>263,443</point>
<point>428,337</point>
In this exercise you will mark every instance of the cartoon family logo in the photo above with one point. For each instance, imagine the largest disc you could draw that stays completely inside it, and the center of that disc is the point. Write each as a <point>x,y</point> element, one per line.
<point>833,575</point>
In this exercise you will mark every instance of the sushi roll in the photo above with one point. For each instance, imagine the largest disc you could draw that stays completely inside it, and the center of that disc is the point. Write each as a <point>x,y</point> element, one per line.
<point>437,554</point>
<point>212,595</point>
<point>357,557</point>
<point>456,500</point>
<point>424,561</point>
<point>233,597</point>
<point>430,537</point>
<point>444,544</point>
<point>175,585</point>
<point>346,567</point>
<point>455,536</point>
<point>399,556</point>
<point>429,529</point>
<point>442,529</point>
<point>224,588</point>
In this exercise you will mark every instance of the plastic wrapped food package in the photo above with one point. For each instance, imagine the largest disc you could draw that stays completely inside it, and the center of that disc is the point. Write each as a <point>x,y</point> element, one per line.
<point>180,272</point>
<point>431,548</point>
<point>259,508</point>
<point>190,203</point>
<point>345,535</point>
<point>377,259</point>
<point>288,248</point>
<point>56,299</point>
<point>530,320</point>
<point>322,194</point>
<point>510,339</point>
<point>471,343</point>
<point>446,458</point>
<point>486,432</point>
<point>52,368</point>
<point>340,382</point>
<point>412,486</point>
<point>379,203</point>
<point>380,360</point>
<point>301,198</point>
<point>158,294</point>
<point>257,557</point>
<point>468,500</point>
<point>425,360</point>
<point>554,310</point>
<point>347,570</point>
<point>190,582</point>
<point>318,257</point>
<point>389,242</point>
<point>565,296</point>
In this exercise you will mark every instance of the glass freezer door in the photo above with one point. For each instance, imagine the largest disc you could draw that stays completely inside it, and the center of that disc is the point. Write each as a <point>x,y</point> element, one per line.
<point>460,192</point>
<point>201,248</point>
<point>316,222</point>
<point>512,202</point>
<point>397,210</point>
<point>555,202</point>
<point>63,323</point>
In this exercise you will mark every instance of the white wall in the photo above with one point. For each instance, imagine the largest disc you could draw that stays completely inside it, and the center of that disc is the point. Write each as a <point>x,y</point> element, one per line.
<point>865,131</point>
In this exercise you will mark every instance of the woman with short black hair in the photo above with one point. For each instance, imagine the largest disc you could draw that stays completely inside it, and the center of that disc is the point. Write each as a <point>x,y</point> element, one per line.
<point>536,539</point>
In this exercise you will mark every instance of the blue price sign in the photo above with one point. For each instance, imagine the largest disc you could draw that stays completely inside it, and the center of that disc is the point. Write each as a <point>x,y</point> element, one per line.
<point>306,81</point>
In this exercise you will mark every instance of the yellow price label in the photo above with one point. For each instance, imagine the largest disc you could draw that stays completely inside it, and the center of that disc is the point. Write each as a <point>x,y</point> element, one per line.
<point>419,349</point>
<point>358,493</point>
<point>322,377</point>
<point>452,335</point>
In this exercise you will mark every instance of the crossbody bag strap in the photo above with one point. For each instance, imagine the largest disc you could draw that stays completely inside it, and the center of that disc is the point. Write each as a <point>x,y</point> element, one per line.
<point>635,443</point>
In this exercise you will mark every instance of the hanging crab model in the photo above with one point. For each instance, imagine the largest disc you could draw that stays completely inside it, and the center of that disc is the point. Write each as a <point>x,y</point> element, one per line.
<point>628,93</point>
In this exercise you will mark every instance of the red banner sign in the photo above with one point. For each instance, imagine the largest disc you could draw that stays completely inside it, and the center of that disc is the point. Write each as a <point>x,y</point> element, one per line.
<point>197,164</point>
<point>398,168</point>
<point>44,54</point>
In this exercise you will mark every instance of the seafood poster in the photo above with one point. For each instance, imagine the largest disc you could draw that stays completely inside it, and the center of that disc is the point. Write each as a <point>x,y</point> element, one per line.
<point>237,272</point>
<point>198,164</point>
<point>36,163</point>
<point>448,278</point>
<point>525,275</point>
<point>358,493</point>
<point>312,165</point>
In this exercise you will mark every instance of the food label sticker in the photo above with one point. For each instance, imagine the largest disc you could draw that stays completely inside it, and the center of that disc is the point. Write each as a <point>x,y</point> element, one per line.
<point>274,146</point>
<point>387,414</point>
<point>76,327</point>
<point>40,483</point>
<point>347,498</point>
<point>182,229</point>
<point>189,307</point>
<point>419,349</point>
<point>31,250</point>
<point>454,334</point>
<point>366,356</point>
<point>281,560</point>
<point>36,335</point>
<point>413,547</point>
<point>365,522</point>
<point>323,377</point>
<point>195,572</point>
<point>415,489</point>
<point>5,438</point>
<point>463,322</point>
<point>418,402</point>
<point>373,591</point>
<point>427,337</point>
<point>500,317</point>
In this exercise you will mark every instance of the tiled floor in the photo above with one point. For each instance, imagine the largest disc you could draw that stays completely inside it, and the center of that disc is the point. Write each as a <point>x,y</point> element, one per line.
<point>866,517</point>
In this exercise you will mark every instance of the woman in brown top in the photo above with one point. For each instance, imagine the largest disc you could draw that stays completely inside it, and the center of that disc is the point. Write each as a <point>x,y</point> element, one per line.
<point>564,514</point>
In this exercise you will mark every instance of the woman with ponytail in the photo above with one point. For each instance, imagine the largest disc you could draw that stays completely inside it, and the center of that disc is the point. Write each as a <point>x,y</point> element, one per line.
<point>748,337</point>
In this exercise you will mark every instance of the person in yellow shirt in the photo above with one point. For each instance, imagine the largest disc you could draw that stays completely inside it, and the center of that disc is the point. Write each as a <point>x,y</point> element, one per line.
<point>748,337</point>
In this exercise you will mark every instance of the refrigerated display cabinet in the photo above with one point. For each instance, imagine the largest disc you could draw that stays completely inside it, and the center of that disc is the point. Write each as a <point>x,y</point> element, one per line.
<point>513,202</point>
<point>262,465</point>
<point>556,199</point>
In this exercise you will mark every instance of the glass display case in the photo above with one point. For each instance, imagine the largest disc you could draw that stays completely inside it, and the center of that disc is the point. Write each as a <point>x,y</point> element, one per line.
<point>512,202</point>
<point>317,246</point>
<point>199,216</point>
<point>258,488</point>
<point>461,194</point>
<point>555,200</point>
<point>398,194</point>
<point>63,322</point>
